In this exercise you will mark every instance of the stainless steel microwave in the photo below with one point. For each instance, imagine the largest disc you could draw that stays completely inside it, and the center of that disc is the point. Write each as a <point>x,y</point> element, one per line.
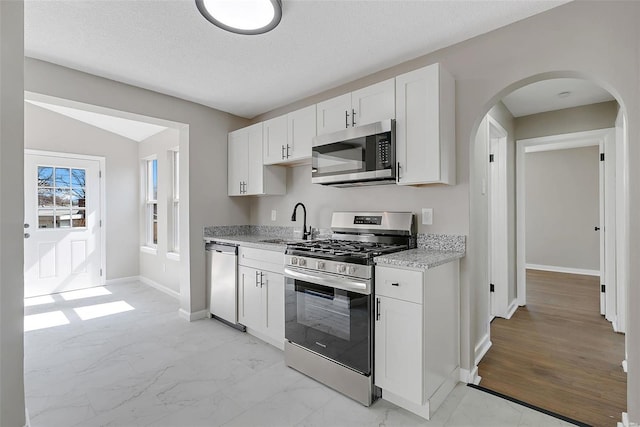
<point>363,155</point>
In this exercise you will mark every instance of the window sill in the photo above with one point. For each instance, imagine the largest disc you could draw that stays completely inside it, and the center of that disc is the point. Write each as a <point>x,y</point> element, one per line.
<point>173,256</point>
<point>149,250</point>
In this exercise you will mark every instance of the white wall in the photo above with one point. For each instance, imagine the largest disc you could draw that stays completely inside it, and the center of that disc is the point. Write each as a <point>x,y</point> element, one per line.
<point>12,412</point>
<point>157,267</point>
<point>50,131</point>
<point>562,208</point>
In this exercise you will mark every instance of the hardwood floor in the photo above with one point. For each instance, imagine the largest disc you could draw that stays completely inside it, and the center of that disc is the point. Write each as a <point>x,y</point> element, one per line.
<point>558,352</point>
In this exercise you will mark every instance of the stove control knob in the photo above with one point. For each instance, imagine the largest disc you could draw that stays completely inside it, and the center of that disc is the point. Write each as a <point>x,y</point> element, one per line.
<point>351,270</point>
<point>294,260</point>
<point>341,268</point>
<point>320,265</point>
<point>302,262</point>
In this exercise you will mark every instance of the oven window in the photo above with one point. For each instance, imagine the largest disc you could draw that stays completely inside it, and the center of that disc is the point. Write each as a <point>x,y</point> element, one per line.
<point>329,321</point>
<point>328,312</point>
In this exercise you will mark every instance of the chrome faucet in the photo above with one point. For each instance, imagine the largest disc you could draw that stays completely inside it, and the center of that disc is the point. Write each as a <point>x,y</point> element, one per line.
<point>305,233</point>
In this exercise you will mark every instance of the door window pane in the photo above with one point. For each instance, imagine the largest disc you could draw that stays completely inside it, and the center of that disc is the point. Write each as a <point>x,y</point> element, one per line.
<point>45,218</point>
<point>45,197</point>
<point>45,176</point>
<point>60,189</point>
<point>63,178</point>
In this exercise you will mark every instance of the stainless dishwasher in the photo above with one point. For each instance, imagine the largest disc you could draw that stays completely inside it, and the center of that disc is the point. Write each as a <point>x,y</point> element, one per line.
<point>222,282</point>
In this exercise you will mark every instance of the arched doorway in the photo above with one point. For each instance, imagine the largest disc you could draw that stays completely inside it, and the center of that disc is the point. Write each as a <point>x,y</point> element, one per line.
<point>486,155</point>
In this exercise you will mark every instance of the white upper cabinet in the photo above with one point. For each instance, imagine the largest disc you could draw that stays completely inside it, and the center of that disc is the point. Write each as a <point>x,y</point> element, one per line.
<point>425,126</point>
<point>274,140</point>
<point>288,138</point>
<point>370,104</point>
<point>246,174</point>
<point>374,103</point>
<point>301,130</point>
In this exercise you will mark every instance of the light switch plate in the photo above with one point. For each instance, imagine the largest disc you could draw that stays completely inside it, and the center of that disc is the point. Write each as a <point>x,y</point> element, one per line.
<point>427,216</point>
<point>273,215</point>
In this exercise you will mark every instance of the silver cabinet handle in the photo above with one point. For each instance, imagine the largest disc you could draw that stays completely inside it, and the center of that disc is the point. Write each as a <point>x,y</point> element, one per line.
<point>377,308</point>
<point>261,279</point>
<point>346,118</point>
<point>398,171</point>
<point>353,117</point>
<point>288,151</point>
<point>282,152</point>
<point>256,278</point>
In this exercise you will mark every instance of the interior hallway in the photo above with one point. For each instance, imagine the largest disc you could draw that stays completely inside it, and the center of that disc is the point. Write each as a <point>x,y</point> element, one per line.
<point>558,352</point>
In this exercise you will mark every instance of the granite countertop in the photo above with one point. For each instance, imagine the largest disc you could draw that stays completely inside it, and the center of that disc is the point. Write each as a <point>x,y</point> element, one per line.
<point>418,258</point>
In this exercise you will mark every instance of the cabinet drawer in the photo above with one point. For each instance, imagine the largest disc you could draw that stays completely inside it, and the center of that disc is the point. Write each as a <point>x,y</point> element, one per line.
<point>261,259</point>
<point>401,284</point>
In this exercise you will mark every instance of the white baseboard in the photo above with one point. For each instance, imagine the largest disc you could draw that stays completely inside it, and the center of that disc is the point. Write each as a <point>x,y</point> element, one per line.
<point>481,349</point>
<point>470,377</point>
<point>625,421</point>
<point>159,287</point>
<point>120,280</point>
<point>557,269</point>
<point>512,309</point>
<point>196,315</point>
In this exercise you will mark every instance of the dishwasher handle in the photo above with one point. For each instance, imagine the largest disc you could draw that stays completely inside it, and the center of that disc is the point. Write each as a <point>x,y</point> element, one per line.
<point>225,249</point>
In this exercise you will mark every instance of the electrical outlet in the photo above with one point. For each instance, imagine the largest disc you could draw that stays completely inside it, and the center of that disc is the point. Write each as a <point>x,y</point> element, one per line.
<point>427,216</point>
<point>273,215</point>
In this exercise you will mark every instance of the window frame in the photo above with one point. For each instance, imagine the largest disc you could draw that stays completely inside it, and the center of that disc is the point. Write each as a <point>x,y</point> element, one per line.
<point>174,202</point>
<point>150,203</point>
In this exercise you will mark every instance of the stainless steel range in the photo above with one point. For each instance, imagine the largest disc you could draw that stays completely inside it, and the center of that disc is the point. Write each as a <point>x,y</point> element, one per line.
<point>329,287</point>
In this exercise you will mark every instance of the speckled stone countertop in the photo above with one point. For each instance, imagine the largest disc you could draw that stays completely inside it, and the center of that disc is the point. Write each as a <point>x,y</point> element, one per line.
<point>273,238</point>
<point>418,258</point>
<point>433,250</point>
<point>252,241</point>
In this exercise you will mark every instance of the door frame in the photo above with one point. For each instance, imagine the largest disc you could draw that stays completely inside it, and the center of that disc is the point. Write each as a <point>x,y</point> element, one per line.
<point>599,138</point>
<point>499,304</point>
<point>102,199</point>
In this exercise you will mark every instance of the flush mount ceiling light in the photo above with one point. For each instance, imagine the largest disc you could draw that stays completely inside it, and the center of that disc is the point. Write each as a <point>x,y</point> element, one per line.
<point>242,16</point>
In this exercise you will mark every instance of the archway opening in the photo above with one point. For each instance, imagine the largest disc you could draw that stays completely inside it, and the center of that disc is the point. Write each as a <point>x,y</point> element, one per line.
<point>536,179</point>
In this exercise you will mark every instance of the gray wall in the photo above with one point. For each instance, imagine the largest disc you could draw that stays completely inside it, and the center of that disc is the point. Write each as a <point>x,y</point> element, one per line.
<point>12,412</point>
<point>50,131</point>
<point>588,117</point>
<point>562,208</point>
<point>157,267</point>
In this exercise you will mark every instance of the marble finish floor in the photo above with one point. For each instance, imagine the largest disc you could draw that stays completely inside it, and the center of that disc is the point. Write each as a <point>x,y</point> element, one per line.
<point>142,365</point>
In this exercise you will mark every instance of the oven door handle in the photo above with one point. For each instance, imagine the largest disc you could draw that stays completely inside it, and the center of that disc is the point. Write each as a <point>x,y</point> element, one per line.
<point>344,283</point>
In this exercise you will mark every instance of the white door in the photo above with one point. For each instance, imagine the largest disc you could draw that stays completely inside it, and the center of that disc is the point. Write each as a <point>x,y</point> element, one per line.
<point>62,221</point>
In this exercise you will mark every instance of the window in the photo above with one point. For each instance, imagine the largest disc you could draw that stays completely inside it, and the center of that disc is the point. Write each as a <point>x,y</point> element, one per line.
<point>61,197</point>
<point>175,201</point>
<point>151,201</point>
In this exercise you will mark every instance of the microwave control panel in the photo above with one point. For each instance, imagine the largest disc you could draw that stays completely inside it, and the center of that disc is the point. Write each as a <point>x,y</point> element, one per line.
<point>384,152</point>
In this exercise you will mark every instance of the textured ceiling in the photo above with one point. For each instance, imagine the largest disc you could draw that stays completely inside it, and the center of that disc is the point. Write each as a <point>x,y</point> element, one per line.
<point>168,47</point>
<point>543,96</point>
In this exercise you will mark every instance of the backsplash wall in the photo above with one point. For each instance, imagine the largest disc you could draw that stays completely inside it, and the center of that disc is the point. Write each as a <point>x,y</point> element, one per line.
<point>449,203</point>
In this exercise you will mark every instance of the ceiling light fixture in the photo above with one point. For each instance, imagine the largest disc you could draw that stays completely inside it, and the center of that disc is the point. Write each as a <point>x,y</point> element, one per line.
<point>564,94</point>
<point>242,16</point>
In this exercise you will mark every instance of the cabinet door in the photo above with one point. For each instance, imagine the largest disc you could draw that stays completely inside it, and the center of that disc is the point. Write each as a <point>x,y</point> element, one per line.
<point>398,348</point>
<point>302,129</point>
<point>249,298</point>
<point>237,161</point>
<point>273,297</point>
<point>255,173</point>
<point>418,126</point>
<point>374,103</point>
<point>274,140</point>
<point>334,114</point>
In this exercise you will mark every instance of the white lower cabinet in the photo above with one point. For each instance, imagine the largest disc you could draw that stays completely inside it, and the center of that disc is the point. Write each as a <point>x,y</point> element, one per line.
<point>417,335</point>
<point>261,294</point>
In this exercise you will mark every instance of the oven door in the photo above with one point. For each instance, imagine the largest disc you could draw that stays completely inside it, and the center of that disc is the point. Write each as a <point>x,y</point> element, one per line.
<point>356,154</point>
<point>333,322</point>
